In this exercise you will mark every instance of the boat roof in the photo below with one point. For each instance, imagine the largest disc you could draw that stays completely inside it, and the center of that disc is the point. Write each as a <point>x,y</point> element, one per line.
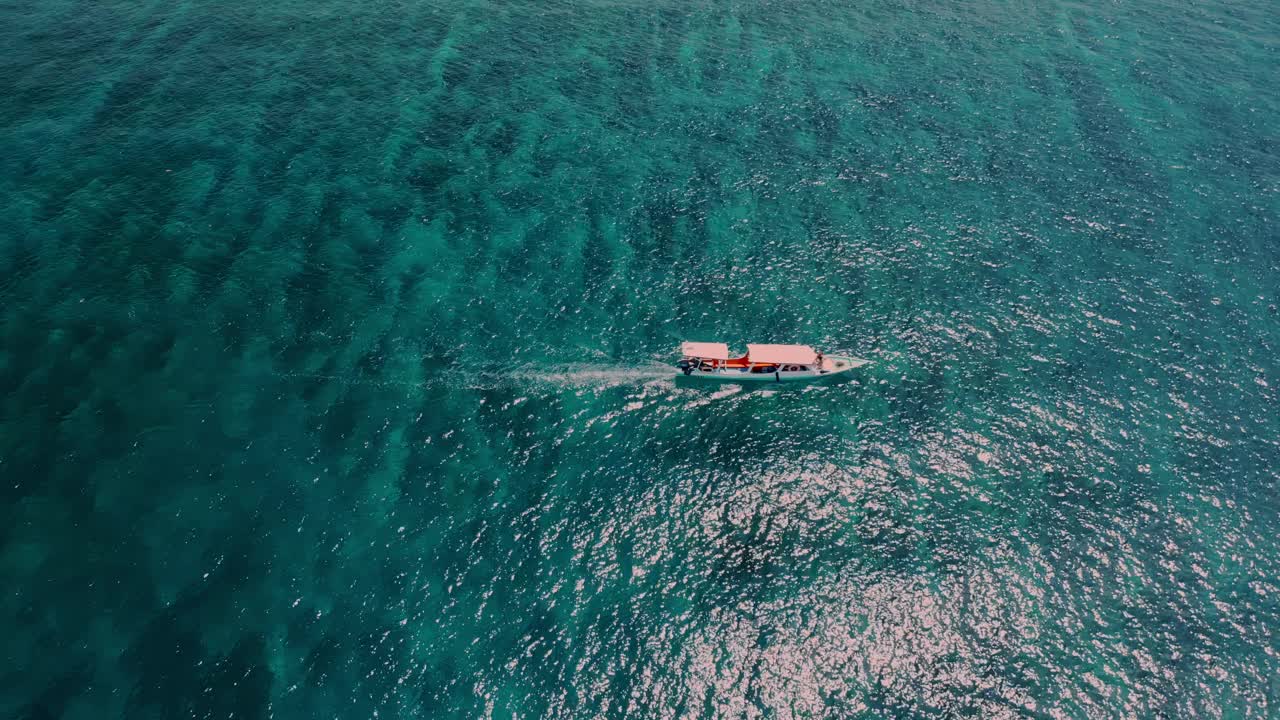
<point>709,351</point>
<point>781,354</point>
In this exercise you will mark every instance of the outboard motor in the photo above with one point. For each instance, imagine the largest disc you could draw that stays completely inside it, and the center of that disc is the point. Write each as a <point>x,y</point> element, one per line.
<point>687,366</point>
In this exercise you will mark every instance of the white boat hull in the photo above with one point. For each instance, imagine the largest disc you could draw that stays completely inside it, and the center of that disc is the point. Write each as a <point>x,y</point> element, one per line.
<point>833,366</point>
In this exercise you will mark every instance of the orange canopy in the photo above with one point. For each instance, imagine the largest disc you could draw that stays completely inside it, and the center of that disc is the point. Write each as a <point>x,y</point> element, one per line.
<point>705,350</point>
<point>801,354</point>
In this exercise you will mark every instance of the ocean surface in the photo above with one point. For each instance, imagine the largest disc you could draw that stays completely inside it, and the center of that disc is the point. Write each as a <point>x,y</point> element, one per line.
<point>335,343</point>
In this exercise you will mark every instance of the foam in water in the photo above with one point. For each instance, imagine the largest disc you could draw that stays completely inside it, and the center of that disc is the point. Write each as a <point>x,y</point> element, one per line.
<point>566,375</point>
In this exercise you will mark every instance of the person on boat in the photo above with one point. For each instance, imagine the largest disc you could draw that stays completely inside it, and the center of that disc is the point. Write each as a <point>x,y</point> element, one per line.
<point>819,359</point>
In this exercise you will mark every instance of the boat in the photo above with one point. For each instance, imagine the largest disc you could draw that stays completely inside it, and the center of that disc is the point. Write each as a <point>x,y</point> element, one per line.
<point>762,363</point>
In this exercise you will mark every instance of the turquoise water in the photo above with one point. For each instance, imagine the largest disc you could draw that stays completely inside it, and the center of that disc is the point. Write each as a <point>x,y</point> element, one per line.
<point>332,385</point>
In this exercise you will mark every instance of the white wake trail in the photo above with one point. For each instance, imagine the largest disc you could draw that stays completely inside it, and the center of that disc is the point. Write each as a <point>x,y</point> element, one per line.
<point>557,375</point>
